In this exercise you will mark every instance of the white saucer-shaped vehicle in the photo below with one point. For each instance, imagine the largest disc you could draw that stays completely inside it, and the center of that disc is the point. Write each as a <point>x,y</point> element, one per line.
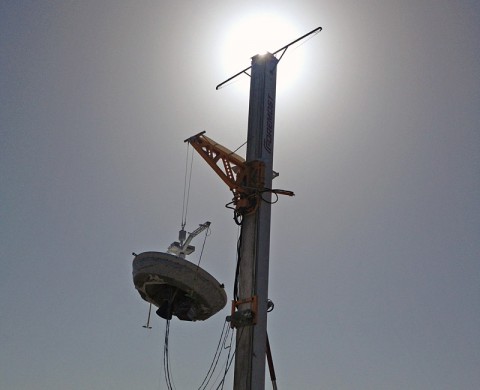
<point>175,285</point>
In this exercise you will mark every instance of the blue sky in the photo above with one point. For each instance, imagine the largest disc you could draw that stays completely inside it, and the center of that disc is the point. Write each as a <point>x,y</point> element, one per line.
<point>374,267</point>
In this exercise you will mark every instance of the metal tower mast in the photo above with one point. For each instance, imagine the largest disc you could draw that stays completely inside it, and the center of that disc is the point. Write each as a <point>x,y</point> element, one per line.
<point>255,242</point>
<point>250,181</point>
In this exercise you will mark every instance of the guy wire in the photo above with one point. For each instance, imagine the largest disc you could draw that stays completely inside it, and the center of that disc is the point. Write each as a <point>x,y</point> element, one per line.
<point>239,147</point>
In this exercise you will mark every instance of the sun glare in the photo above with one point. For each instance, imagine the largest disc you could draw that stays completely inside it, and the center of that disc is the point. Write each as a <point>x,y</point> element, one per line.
<point>259,33</point>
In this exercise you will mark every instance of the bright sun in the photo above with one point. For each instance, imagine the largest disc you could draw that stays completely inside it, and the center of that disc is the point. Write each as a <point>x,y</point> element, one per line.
<point>257,33</point>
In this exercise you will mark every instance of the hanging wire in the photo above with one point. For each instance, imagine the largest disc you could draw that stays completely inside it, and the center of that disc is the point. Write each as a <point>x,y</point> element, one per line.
<point>239,260</point>
<point>166,358</point>
<point>227,364</point>
<point>275,200</point>
<point>225,336</point>
<point>229,360</point>
<point>237,269</point>
<point>166,355</point>
<point>186,186</point>
<point>216,358</point>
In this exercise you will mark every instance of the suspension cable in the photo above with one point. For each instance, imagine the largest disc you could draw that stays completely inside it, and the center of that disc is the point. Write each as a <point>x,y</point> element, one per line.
<point>186,186</point>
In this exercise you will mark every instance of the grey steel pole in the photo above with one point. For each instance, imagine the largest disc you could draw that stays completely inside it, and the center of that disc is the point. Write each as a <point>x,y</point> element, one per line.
<point>251,340</point>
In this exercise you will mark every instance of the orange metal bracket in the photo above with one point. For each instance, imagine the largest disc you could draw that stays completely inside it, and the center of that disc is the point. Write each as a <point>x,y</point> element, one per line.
<point>243,178</point>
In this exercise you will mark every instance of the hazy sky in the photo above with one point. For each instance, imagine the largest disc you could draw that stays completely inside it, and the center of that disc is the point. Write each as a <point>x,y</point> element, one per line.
<point>375,264</point>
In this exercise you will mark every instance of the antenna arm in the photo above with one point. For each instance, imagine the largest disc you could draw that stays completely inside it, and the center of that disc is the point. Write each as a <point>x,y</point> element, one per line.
<point>195,233</point>
<point>282,49</point>
<point>314,31</point>
<point>231,78</point>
